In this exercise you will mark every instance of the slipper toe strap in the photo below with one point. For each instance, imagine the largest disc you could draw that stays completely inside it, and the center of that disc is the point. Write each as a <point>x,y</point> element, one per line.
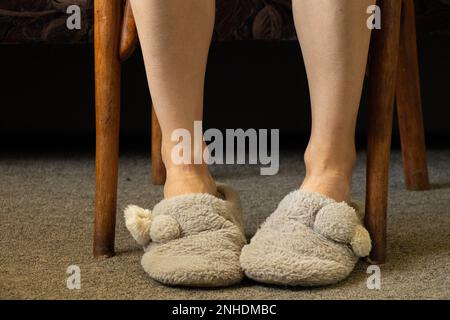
<point>340,222</point>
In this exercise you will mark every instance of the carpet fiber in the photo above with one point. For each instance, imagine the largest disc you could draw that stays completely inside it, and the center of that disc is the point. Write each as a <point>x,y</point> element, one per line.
<point>46,218</point>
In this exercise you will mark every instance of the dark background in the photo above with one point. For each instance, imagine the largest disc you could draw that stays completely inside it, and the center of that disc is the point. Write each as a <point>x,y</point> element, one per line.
<point>47,88</point>
<point>47,93</point>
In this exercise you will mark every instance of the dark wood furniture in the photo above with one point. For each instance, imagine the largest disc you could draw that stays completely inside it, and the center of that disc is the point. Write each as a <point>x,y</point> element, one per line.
<point>393,74</point>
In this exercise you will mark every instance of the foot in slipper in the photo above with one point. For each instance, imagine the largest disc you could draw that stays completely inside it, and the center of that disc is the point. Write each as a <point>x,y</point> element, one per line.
<point>191,240</point>
<point>309,240</point>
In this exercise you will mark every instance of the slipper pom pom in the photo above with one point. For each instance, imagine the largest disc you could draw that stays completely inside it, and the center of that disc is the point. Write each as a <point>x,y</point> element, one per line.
<point>138,221</point>
<point>336,221</point>
<point>341,223</point>
<point>165,228</point>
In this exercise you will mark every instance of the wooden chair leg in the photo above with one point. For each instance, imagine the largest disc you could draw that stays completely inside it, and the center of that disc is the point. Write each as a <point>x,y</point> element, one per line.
<point>107,104</point>
<point>158,169</point>
<point>383,76</point>
<point>409,106</point>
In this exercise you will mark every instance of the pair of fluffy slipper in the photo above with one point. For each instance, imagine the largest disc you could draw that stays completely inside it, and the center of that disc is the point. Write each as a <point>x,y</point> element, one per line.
<point>198,240</point>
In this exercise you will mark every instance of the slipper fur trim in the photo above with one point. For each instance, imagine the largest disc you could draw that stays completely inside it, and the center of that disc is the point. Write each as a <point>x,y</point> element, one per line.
<point>308,240</point>
<point>196,239</point>
<point>138,222</point>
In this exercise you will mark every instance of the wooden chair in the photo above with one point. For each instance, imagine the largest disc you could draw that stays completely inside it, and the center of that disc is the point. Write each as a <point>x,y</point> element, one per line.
<point>393,75</point>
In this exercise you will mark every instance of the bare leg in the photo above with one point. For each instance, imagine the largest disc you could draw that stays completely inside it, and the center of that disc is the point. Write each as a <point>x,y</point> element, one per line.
<point>175,37</point>
<point>307,248</point>
<point>335,41</point>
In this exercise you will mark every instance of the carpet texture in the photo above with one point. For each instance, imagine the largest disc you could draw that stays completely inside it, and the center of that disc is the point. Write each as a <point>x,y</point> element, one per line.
<point>46,219</point>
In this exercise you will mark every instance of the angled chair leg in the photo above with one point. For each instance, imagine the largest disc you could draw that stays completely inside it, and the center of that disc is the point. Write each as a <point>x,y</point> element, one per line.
<point>409,105</point>
<point>158,169</point>
<point>107,110</point>
<point>129,36</point>
<point>383,76</point>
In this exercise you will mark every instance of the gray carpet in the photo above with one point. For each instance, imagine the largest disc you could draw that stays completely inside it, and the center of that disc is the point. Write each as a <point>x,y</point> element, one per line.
<point>46,212</point>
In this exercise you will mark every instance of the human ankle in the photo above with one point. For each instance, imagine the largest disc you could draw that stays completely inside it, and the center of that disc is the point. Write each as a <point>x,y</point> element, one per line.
<point>333,160</point>
<point>187,170</point>
<point>188,180</point>
<point>329,173</point>
<point>192,158</point>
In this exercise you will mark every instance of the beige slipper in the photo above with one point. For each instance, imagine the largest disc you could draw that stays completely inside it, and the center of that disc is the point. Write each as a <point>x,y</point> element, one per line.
<point>191,240</point>
<point>309,240</point>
